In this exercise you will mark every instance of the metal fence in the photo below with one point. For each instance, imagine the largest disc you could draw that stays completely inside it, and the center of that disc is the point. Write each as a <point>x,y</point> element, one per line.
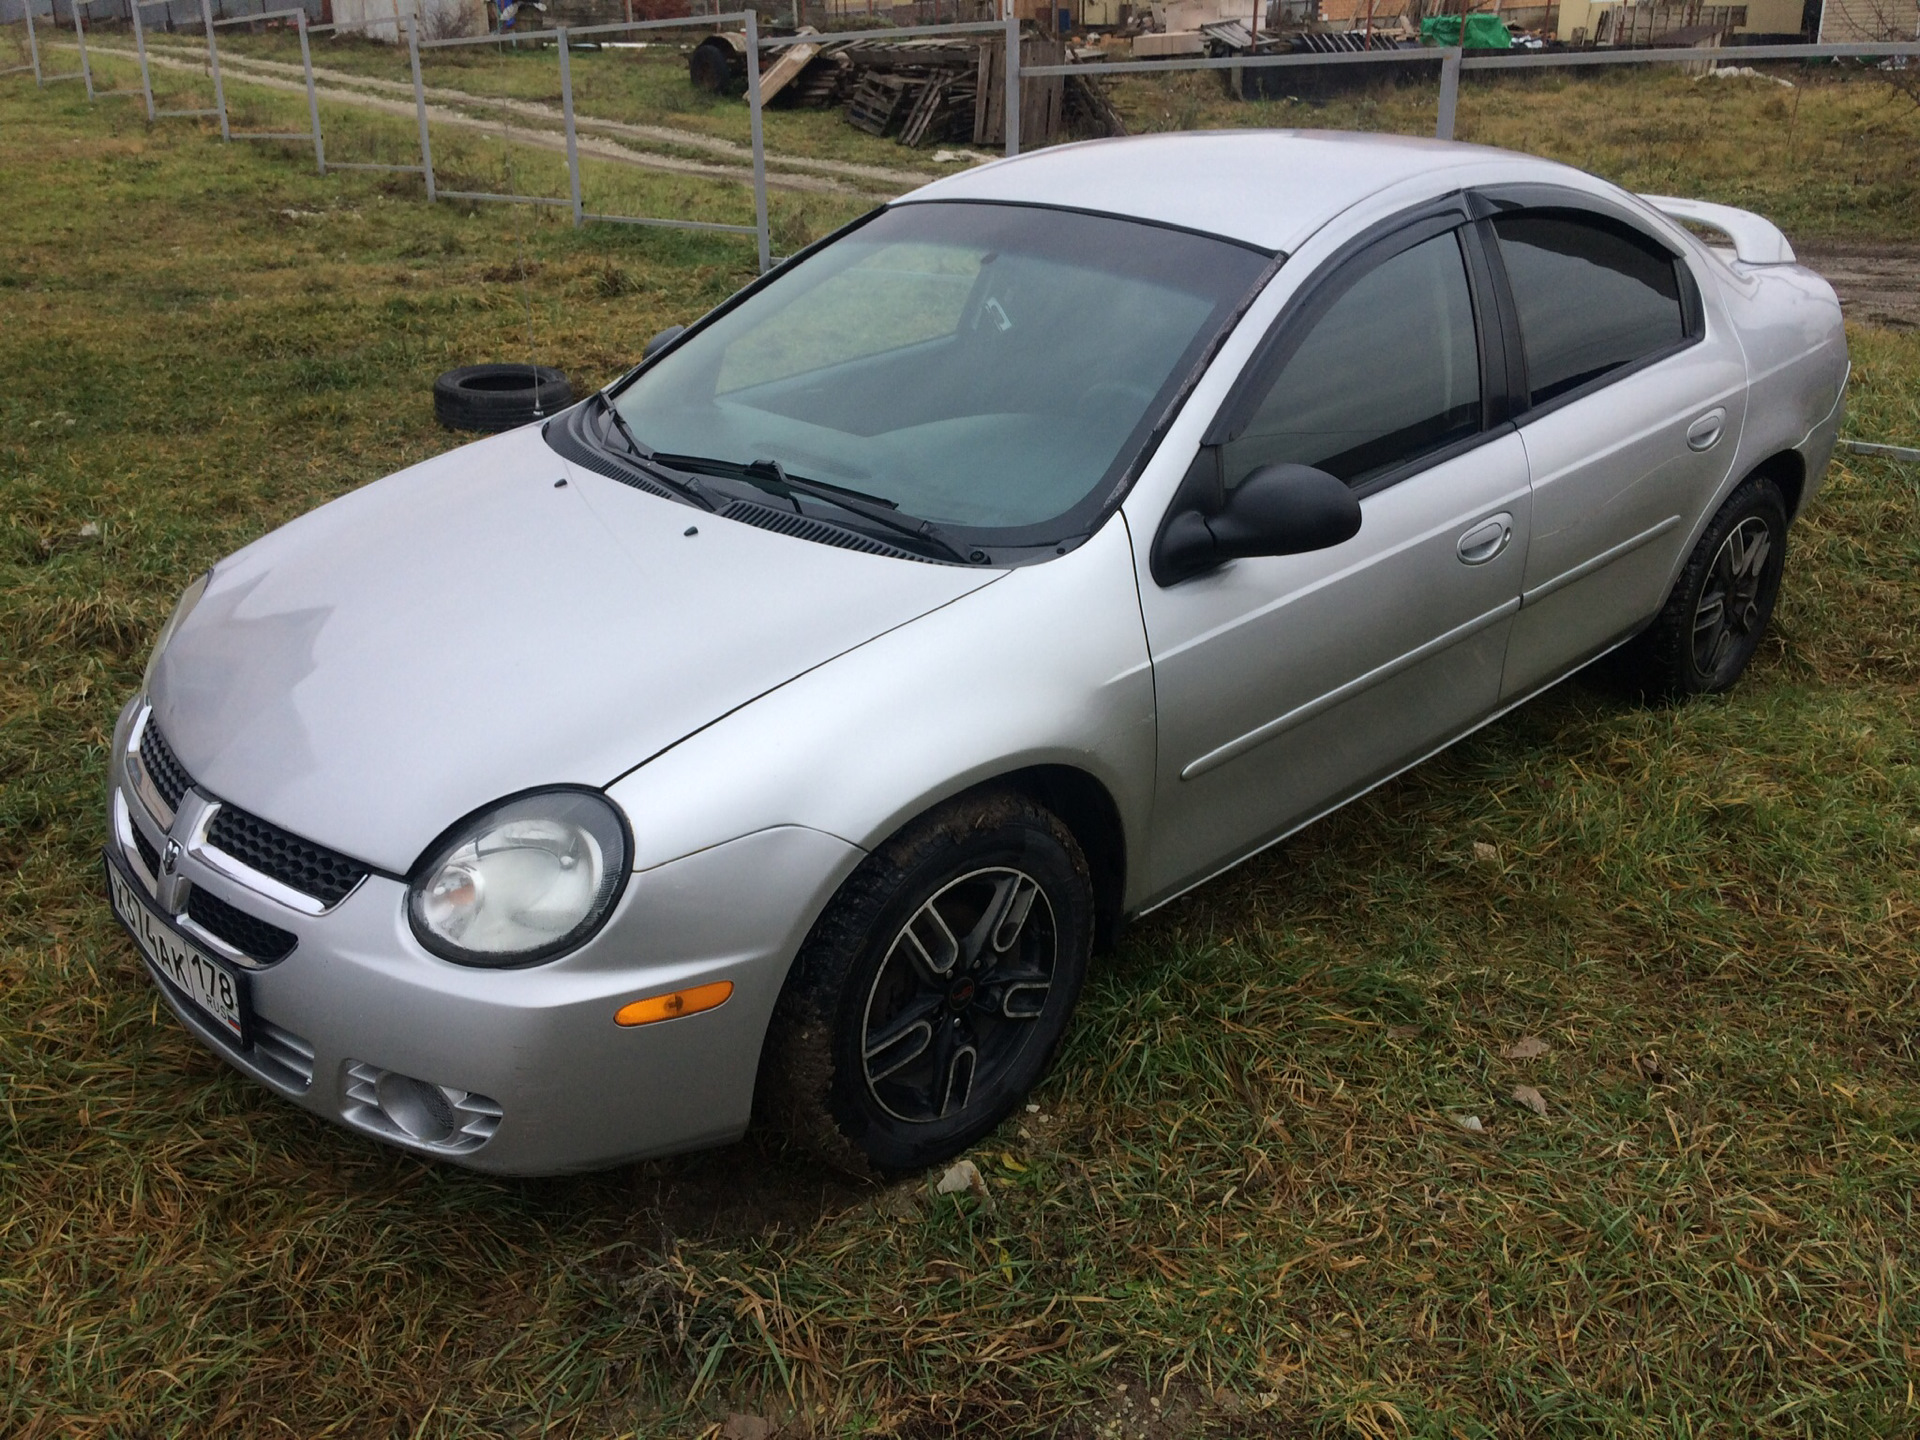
<point>1452,60</point>
<point>1449,63</point>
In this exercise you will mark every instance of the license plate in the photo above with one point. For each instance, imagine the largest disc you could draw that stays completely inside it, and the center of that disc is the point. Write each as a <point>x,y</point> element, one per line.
<point>207,982</point>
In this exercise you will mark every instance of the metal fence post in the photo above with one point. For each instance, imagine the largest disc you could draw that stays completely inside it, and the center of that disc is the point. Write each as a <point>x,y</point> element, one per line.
<point>140,44</point>
<point>213,64</point>
<point>573,139</point>
<point>1449,92</point>
<point>313,100</point>
<point>762,229</point>
<point>33,43</point>
<point>80,36</point>
<point>1010,82</point>
<point>419,104</point>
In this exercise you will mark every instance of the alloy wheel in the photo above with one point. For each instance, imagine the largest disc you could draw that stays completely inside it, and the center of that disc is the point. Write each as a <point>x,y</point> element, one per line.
<point>1730,612</point>
<point>955,1001</point>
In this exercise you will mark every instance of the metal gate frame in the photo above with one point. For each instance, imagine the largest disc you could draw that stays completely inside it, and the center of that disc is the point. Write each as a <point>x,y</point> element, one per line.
<point>562,37</point>
<point>146,72</point>
<point>33,48</point>
<point>40,77</point>
<point>312,132</point>
<point>425,168</point>
<point>86,65</point>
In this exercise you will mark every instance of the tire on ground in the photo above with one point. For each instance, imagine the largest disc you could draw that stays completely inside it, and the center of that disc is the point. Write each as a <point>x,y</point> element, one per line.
<point>492,398</point>
<point>818,1081</point>
<point>1717,613</point>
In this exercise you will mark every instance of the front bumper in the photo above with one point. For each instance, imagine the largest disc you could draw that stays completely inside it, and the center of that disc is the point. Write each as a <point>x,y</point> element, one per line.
<point>540,1078</point>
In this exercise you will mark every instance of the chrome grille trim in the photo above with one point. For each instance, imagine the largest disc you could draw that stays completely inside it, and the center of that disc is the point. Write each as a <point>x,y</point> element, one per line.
<point>332,876</point>
<point>134,844</point>
<point>240,873</point>
<point>143,782</point>
<point>478,1115</point>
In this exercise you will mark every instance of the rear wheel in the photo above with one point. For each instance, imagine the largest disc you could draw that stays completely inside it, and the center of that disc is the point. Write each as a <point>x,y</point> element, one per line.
<point>933,993</point>
<point>1717,614</point>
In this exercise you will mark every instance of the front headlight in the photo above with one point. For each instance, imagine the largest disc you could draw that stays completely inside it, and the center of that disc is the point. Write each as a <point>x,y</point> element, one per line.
<point>521,881</point>
<point>189,598</point>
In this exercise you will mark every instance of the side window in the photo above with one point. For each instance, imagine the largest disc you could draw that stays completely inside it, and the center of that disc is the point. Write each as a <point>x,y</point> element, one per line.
<point>1388,373</point>
<point>1592,297</point>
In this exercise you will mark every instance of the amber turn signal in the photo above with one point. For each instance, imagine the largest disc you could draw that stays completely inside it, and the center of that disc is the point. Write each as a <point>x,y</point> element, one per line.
<point>672,1007</point>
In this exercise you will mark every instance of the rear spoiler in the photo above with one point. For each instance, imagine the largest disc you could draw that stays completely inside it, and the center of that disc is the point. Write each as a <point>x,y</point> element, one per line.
<point>1755,241</point>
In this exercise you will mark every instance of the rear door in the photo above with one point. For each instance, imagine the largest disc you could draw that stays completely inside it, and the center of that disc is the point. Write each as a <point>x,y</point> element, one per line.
<point>1629,405</point>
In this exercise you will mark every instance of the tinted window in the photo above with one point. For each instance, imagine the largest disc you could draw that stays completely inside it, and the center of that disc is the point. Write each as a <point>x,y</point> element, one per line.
<point>1389,372</point>
<point>983,366</point>
<point>1592,297</point>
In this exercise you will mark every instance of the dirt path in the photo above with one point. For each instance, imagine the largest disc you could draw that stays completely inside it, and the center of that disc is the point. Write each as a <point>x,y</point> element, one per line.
<point>596,145</point>
<point>549,116</point>
<point>1878,284</point>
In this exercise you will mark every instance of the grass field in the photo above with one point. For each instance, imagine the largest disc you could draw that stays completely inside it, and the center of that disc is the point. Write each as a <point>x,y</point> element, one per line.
<point>1246,1206</point>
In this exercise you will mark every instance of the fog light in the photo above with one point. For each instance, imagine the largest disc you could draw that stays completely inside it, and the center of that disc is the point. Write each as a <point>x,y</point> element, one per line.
<point>418,1109</point>
<point>399,1107</point>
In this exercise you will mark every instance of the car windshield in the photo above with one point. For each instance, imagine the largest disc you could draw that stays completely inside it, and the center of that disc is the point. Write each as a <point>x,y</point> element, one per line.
<point>986,367</point>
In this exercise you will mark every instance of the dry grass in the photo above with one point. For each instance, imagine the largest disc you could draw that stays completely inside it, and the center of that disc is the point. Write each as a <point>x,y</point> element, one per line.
<point>1246,1196</point>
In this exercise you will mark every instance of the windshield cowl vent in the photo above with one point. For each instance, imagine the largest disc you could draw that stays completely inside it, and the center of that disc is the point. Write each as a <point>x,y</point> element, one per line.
<point>805,527</point>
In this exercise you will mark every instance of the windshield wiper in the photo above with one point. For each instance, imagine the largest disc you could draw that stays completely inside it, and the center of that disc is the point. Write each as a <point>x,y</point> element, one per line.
<point>771,476</point>
<point>642,458</point>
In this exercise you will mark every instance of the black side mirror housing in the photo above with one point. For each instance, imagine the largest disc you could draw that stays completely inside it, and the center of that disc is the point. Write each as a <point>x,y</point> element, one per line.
<point>1277,510</point>
<point>660,342</point>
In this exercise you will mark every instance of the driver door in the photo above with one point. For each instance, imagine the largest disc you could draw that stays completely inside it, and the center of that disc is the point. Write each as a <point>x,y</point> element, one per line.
<point>1285,685</point>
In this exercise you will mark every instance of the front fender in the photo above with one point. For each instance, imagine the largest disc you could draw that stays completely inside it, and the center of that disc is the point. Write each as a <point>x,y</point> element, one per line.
<point>1047,667</point>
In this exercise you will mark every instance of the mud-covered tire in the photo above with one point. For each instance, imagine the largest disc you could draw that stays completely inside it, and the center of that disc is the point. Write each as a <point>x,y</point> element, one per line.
<point>1717,613</point>
<point>492,398</point>
<point>1018,960</point>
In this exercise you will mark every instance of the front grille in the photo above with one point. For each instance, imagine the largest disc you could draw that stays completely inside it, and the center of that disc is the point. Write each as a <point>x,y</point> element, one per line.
<point>169,776</point>
<point>299,864</point>
<point>148,855</point>
<point>250,936</point>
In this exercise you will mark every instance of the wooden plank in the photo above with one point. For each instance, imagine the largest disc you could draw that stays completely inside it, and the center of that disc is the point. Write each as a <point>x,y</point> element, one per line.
<point>784,71</point>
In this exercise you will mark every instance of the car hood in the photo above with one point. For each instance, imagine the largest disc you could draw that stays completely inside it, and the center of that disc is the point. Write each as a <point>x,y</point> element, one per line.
<point>473,627</point>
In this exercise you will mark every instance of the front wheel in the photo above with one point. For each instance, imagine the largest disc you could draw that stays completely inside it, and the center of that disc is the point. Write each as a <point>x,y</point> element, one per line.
<point>1717,614</point>
<point>933,992</point>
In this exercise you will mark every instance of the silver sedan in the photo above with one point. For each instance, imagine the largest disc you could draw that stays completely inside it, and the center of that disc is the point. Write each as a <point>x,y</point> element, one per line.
<point>787,727</point>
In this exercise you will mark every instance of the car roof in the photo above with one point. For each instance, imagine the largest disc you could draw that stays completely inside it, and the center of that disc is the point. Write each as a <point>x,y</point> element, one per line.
<point>1270,188</point>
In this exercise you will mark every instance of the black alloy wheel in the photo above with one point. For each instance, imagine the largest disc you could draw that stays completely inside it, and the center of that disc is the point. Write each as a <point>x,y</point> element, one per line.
<point>1729,617</point>
<point>958,993</point>
<point>932,993</point>
<point>1717,614</point>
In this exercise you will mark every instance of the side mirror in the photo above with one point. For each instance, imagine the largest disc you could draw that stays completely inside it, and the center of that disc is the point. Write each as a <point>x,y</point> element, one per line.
<point>660,342</point>
<point>1277,510</point>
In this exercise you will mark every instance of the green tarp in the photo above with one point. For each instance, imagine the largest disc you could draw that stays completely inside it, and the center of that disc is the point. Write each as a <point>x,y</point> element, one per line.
<point>1484,32</point>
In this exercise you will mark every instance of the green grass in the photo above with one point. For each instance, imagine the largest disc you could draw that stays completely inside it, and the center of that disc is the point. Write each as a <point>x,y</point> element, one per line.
<point>1245,1197</point>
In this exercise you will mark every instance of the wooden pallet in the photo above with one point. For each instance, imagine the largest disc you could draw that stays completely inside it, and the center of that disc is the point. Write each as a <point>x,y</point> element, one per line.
<point>876,101</point>
<point>929,106</point>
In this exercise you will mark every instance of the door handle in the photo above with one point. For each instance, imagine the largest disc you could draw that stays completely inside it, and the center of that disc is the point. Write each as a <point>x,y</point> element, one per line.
<point>1485,540</point>
<point>1704,433</point>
